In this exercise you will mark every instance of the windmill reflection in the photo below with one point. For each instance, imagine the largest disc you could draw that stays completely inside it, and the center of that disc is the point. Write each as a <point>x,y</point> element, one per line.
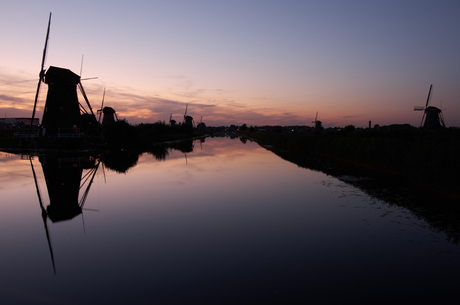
<point>64,179</point>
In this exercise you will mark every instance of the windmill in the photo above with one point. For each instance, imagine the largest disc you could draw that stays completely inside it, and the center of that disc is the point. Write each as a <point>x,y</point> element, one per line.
<point>432,115</point>
<point>317,123</point>
<point>109,114</point>
<point>188,120</point>
<point>62,114</point>
<point>171,121</point>
<point>201,126</point>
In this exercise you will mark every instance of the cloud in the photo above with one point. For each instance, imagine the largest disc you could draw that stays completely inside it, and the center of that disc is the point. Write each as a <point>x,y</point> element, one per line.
<point>351,116</point>
<point>7,98</point>
<point>218,107</point>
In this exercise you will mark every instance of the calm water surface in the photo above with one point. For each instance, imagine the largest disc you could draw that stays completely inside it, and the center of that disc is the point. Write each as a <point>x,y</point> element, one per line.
<point>229,222</point>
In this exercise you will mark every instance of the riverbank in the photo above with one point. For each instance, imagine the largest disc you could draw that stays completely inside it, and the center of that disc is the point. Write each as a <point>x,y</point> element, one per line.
<point>119,135</point>
<point>427,160</point>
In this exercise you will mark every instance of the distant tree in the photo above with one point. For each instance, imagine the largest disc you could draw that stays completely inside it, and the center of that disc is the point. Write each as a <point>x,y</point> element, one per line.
<point>120,134</point>
<point>243,127</point>
<point>349,128</point>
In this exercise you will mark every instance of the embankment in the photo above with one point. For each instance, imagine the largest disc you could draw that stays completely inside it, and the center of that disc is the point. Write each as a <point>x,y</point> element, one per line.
<point>429,160</point>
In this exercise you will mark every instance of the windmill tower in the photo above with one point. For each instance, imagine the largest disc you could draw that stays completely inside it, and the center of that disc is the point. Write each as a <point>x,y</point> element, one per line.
<point>188,120</point>
<point>432,116</point>
<point>62,112</point>
<point>110,116</point>
<point>318,126</point>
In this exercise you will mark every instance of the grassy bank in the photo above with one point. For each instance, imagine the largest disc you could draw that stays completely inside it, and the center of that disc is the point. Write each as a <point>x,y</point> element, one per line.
<point>426,159</point>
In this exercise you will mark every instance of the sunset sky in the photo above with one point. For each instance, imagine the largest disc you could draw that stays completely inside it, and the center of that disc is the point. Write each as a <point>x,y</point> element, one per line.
<point>256,62</point>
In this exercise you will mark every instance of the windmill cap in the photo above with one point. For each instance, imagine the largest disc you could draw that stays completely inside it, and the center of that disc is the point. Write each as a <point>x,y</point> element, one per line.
<point>56,75</point>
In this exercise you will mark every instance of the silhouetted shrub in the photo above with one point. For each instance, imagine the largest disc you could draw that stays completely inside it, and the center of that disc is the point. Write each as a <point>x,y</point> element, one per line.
<point>120,134</point>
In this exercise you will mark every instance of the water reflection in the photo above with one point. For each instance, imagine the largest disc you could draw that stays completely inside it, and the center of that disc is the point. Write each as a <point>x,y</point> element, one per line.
<point>441,215</point>
<point>235,225</point>
<point>66,175</point>
<point>63,176</point>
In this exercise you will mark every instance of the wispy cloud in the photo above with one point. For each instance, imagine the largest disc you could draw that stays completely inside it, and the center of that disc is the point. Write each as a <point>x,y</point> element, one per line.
<point>6,98</point>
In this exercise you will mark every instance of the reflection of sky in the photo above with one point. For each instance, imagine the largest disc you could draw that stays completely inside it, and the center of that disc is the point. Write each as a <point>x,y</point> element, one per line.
<point>233,217</point>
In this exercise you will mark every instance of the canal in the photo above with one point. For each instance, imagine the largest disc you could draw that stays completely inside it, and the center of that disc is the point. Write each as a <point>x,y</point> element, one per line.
<point>216,221</point>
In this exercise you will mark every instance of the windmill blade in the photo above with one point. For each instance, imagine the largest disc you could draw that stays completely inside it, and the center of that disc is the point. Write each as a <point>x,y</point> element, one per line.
<point>35,105</point>
<point>46,45</point>
<point>41,75</point>
<point>423,117</point>
<point>419,108</point>
<point>102,107</point>
<point>170,117</point>
<point>441,118</point>
<point>36,186</point>
<point>86,99</point>
<point>92,174</point>
<point>316,117</point>
<point>81,65</point>
<point>44,216</point>
<point>186,106</point>
<point>103,171</point>
<point>429,96</point>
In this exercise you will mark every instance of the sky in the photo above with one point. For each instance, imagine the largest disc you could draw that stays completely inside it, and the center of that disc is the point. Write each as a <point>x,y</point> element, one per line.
<point>254,62</point>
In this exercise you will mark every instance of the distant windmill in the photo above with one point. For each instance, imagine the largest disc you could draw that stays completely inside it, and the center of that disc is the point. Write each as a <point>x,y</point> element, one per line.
<point>171,121</point>
<point>201,126</point>
<point>188,120</point>
<point>62,112</point>
<point>317,123</point>
<point>432,115</point>
<point>109,114</point>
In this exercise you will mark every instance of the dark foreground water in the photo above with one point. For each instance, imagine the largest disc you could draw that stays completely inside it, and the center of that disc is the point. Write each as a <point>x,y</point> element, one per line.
<point>221,222</point>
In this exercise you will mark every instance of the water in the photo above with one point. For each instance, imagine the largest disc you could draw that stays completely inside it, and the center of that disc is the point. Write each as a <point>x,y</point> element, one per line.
<point>225,222</point>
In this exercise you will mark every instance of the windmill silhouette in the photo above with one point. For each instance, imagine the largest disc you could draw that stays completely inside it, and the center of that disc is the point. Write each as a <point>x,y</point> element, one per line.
<point>110,116</point>
<point>188,120</point>
<point>432,116</point>
<point>63,112</point>
<point>171,121</point>
<point>317,123</point>
<point>201,126</point>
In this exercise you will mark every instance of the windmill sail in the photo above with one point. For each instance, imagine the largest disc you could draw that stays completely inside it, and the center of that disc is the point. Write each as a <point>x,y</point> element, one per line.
<point>41,74</point>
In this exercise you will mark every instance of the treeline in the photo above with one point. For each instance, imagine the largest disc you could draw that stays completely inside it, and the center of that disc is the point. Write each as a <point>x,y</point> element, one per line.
<point>118,135</point>
<point>427,159</point>
<point>121,134</point>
